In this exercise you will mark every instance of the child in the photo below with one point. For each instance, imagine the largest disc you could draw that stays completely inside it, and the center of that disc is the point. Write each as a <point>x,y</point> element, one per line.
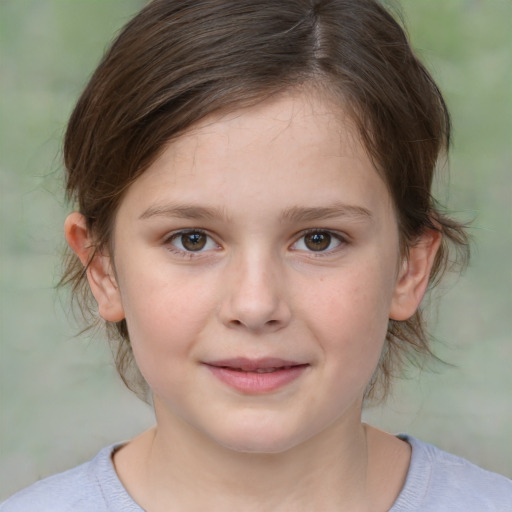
<point>256,229</point>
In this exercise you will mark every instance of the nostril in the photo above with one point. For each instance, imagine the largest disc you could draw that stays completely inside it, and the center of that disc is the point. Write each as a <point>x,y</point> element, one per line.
<point>268,323</point>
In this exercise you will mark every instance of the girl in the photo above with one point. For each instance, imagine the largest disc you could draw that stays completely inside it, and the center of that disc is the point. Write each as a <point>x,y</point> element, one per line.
<point>255,226</point>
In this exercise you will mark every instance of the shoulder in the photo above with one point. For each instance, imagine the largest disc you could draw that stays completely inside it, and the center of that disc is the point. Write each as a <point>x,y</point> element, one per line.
<point>59,493</point>
<point>439,481</point>
<point>90,486</point>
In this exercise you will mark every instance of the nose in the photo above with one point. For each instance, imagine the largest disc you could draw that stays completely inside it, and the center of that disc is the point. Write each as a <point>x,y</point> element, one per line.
<point>254,296</point>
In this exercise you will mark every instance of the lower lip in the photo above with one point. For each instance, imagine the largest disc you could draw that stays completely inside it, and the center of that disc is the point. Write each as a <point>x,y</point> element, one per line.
<point>257,383</point>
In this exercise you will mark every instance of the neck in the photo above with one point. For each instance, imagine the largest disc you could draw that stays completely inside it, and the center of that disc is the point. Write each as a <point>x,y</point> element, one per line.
<point>327,472</point>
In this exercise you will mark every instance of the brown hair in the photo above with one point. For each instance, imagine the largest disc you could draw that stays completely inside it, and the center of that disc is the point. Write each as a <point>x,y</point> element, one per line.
<point>178,61</point>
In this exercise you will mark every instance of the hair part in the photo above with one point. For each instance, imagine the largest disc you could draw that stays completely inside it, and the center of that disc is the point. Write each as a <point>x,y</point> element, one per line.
<point>179,61</point>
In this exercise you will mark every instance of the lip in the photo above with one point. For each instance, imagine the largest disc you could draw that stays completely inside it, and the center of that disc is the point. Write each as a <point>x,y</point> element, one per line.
<point>256,376</point>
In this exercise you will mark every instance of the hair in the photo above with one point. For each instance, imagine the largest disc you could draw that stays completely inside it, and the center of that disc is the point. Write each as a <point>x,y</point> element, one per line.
<point>178,61</point>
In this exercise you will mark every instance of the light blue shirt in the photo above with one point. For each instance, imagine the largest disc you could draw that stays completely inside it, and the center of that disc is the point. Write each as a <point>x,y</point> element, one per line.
<point>436,482</point>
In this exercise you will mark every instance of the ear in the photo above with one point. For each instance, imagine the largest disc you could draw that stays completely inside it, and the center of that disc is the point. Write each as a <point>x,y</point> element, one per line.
<point>414,276</point>
<point>100,272</point>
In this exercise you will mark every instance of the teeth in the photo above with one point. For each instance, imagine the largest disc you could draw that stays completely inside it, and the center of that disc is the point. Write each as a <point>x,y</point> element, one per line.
<point>269,370</point>
<point>260,370</point>
<point>266,370</point>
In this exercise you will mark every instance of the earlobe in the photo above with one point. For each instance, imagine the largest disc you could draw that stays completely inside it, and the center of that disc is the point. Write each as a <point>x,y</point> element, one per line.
<point>100,273</point>
<point>414,276</point>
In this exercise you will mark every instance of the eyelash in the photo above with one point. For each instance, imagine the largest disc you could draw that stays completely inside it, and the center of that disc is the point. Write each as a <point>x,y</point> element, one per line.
<point>341,241</point>
<point>183,252</point>
<point>334,236</point>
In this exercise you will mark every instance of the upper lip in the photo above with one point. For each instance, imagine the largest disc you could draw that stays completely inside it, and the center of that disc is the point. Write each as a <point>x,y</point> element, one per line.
<point>250,365</point>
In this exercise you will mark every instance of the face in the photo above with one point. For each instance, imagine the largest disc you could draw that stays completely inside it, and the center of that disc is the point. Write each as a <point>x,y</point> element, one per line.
<point>257,265</point>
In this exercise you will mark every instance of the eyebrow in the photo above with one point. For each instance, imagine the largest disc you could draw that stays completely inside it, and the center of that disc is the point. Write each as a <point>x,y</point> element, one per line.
<point>300,214</point>
<point>183,211</point>
<point>292,214</point>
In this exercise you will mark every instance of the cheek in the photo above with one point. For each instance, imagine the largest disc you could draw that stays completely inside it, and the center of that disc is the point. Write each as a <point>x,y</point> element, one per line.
<point>348,318</point>
<point>164,315</point>
<point>350,313</point>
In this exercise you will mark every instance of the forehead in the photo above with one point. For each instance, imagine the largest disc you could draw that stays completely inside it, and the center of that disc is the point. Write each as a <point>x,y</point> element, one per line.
<point>296,117</point>
<point>296,148</point>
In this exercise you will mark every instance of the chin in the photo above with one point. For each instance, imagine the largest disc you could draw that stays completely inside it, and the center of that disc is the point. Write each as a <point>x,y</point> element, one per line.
<point>259,439</point>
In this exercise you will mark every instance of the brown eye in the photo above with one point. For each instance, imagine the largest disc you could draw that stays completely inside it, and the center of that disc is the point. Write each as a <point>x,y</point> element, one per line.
<point>318,241</point>
<point>193,241</point>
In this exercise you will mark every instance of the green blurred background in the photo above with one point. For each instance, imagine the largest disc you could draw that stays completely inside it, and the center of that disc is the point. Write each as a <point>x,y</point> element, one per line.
<point>60,397</point>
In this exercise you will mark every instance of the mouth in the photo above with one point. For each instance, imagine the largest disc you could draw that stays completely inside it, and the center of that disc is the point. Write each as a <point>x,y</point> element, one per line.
<point>261,370</point>
<point>265,365</point>
<point>256,376</point>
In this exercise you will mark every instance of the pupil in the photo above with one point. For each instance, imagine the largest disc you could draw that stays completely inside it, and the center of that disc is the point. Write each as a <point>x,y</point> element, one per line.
<point>193,241</point>
<point>318,241</point>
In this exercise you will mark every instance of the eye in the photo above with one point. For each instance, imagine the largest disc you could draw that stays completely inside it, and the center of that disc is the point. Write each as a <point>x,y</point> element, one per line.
<point>318,241</point>
<point>192,241</point>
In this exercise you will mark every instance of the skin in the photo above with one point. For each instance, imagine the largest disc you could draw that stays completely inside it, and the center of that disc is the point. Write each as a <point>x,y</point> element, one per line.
<point>255,290</point>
